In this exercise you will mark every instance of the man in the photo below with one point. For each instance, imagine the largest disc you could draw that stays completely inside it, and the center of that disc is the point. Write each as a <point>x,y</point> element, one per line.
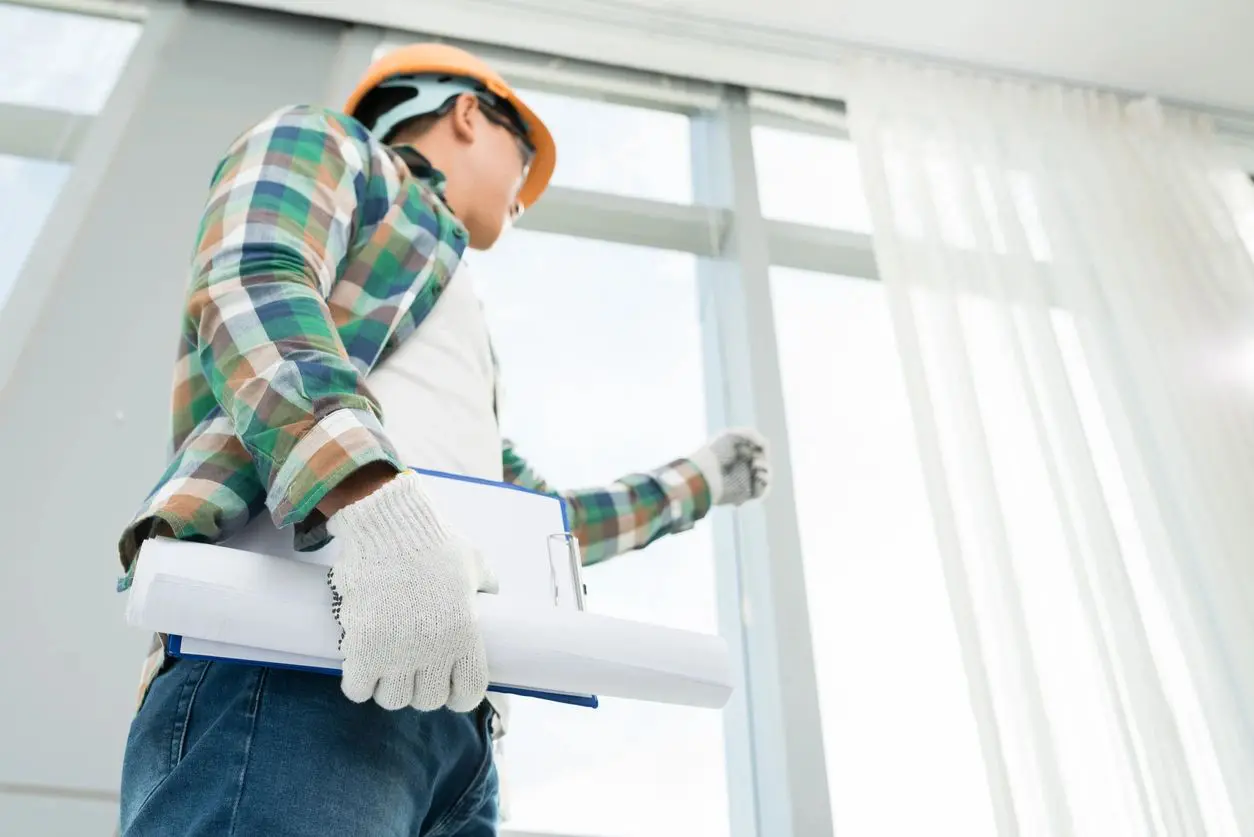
<point>330,341</point>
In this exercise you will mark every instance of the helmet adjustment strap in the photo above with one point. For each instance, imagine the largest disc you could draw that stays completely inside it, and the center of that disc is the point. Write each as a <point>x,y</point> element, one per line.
<point>435,94</point>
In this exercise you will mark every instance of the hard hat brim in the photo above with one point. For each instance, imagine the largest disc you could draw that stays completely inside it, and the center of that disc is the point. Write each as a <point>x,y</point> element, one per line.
<point>544,162</point>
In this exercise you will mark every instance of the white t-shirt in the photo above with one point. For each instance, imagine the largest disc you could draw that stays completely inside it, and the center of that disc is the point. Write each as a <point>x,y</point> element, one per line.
<point>438,389</point>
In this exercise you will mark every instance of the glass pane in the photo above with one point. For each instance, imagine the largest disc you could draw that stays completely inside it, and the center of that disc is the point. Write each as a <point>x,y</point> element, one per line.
<point>29,188</point>
<point>59,60</point>
<point>603,376</point>
<point>616,148</point>
<point>809,179</point>
<point>891,682</point>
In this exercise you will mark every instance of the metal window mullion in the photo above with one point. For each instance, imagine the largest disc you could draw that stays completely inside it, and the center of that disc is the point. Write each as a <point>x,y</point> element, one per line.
<point>42,133</point>
<point>761,578</point>
<point>627,220</point>
<point>712,184</point>
<point>822,249</point>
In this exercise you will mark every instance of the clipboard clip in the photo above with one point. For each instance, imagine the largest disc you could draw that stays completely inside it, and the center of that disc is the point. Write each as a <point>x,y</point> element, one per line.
<point>574,565</point>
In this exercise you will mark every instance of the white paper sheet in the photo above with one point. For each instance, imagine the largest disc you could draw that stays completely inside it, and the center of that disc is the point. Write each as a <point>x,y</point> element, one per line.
<point>515,530</point>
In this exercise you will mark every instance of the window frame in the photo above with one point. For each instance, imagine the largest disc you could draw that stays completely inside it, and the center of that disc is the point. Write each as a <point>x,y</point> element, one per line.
<point>776,775</point>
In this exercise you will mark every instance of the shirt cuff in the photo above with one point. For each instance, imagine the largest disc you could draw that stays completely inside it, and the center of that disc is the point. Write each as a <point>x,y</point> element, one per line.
<point>688,493</point>
<point>707,464</point>
<point>338,445</point>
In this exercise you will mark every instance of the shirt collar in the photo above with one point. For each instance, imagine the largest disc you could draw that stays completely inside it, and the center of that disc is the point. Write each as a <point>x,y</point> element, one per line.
<point>421,168</point>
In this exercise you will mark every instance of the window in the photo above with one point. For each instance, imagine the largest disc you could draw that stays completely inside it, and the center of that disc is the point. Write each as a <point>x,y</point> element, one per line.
<point>30,188</point>
<point>891,684</point>
<point>809,179</point>
<point>59,60</point>
<point>600,351</point>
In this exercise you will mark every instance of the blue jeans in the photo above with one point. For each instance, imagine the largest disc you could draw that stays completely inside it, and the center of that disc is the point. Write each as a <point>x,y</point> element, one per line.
<point>224,749</point>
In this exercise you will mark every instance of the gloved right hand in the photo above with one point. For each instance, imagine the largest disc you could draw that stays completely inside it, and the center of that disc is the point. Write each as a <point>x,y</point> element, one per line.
<point>403,592</point>
<point>736,465</point>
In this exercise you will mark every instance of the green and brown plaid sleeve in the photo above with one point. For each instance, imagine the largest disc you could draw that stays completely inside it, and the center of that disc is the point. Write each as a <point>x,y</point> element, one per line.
<point>275,232</point>
<point>629,513</point>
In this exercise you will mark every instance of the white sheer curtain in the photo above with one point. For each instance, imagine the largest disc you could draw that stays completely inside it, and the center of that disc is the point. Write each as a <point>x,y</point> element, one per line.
<point>1074,307</point>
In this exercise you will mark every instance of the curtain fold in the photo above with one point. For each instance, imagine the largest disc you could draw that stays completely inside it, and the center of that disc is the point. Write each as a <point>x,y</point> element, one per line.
<point>1074,307</point>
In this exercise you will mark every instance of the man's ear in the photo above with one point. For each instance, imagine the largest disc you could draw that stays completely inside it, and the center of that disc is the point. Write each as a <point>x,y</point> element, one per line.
<point>462,117</point>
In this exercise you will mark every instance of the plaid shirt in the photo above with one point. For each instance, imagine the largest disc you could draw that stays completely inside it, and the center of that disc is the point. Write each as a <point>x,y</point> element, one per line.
<point>319,252</point>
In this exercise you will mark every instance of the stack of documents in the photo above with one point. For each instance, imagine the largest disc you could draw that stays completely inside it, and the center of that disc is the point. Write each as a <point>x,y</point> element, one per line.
<point>254,599</point>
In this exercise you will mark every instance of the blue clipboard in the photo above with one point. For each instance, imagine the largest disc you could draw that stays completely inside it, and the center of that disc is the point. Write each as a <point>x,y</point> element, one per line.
<point>174,642</point>
<point>174,647</point>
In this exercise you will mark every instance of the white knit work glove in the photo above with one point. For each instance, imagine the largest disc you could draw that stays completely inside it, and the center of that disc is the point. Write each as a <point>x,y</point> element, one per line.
<point>403,592</point>
<point>736,465</point>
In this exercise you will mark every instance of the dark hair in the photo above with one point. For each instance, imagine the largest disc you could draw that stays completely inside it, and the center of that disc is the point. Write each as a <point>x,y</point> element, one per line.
<point>382,99</point>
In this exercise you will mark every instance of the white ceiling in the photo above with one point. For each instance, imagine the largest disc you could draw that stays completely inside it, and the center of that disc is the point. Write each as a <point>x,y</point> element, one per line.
<point>1196,50</point>
<point>1199,51</point>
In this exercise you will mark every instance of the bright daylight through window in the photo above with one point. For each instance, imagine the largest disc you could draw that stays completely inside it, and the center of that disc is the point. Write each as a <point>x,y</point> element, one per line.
<point>891,685</point>
<point>61,61</point>
<point>52,61</point>
<point>29,188</point>
<point>891,680</point>
<point>619,149</point>
<point>809,179</point>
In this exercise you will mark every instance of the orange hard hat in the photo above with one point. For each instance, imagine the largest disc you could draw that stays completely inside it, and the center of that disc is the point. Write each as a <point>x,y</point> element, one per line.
<point>422,59</point>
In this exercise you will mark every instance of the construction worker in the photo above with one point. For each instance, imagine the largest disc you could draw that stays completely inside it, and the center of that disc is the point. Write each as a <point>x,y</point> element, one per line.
<point>329,341</point>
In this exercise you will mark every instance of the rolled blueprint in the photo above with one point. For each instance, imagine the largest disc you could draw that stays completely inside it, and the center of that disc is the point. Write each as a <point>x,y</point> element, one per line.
<point>267,609</point>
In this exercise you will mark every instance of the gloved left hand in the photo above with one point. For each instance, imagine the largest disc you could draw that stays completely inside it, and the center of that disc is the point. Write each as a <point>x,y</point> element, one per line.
<point>736,465</point>
<point>403,591</point>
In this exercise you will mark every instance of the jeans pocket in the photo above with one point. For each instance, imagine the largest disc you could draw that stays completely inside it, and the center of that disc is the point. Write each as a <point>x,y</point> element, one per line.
<point>194,675</point>
<point>158,734</point>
